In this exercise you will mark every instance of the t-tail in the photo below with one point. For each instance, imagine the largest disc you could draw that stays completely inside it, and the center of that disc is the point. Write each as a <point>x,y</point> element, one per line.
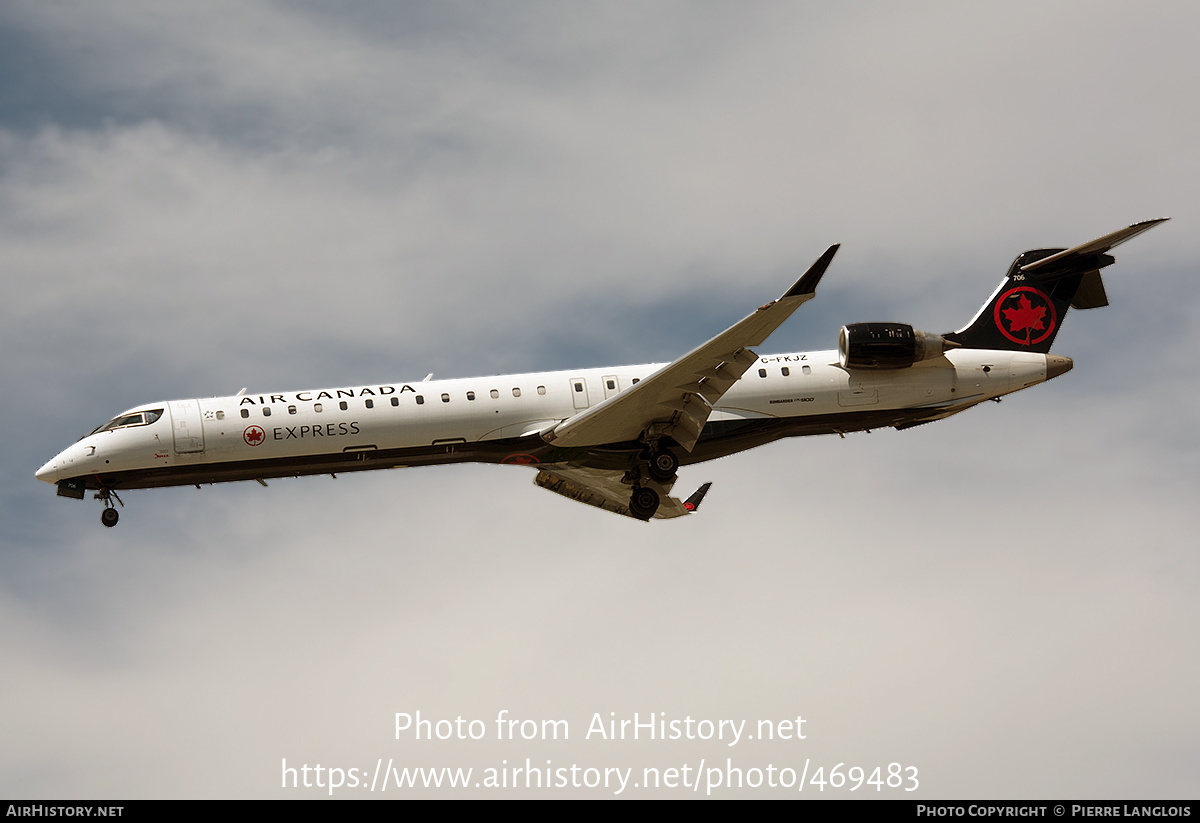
<point>1028,307</point>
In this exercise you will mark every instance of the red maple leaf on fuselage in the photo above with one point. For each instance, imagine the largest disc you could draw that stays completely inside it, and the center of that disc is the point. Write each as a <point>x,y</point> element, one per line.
<point>1026,317</point>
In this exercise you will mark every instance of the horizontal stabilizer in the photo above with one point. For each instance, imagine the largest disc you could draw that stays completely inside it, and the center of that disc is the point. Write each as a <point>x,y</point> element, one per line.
<point>1083,255</point>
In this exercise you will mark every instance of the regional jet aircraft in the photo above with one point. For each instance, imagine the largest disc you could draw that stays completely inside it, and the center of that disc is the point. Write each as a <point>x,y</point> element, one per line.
<point>612,438</point>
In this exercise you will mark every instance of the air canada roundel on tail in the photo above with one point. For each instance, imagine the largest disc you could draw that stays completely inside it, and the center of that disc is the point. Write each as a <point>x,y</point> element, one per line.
<point>1025,315</point>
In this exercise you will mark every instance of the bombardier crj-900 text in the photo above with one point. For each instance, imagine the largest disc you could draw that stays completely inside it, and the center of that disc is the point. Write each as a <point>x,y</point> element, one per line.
<point>612,438</point>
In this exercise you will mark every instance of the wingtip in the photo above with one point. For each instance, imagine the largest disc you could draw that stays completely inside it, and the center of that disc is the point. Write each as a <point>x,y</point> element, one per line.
<point>693,502</point>
<point>808,283</point>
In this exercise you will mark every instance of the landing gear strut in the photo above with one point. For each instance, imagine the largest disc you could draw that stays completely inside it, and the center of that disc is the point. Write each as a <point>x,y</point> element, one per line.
<point>110,515</point>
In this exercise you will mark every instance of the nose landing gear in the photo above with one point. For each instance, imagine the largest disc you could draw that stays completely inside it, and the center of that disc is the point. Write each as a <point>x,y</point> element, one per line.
<point>110,515</point>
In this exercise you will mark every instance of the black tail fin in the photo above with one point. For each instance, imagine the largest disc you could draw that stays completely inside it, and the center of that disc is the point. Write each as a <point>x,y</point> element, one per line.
<point>1028,307</point>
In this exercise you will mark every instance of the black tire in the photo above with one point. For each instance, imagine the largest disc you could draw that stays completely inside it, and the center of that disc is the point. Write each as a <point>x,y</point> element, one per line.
<point>109,517</point>
<point>644,503</point>
<point>662,465</point>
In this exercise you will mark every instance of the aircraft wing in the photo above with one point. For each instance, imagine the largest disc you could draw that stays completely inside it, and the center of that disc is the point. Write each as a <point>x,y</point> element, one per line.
<point>679,397</point>
<point>605,489</point>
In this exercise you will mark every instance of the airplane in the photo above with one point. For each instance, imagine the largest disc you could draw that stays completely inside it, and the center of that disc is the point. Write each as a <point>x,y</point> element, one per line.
<point>613,438</point>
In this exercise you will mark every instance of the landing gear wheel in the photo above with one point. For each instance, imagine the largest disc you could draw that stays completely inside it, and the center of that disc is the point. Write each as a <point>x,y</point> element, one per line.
<point>662,465</point>
<point>110,515</point>
<point>644,503</point>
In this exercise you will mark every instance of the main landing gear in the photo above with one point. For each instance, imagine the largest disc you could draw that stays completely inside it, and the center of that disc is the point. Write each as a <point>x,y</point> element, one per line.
<point>659,463</point>
<point>110,515</point>
<point>644,502</point>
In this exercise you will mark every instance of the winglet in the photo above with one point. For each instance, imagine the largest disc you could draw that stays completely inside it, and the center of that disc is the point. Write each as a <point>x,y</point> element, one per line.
<point>808,283</point>
<point>680,395</point>
<point>693,502</point>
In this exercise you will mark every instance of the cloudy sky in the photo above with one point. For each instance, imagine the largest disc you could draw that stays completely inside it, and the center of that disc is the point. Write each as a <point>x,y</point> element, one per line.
<point>289,195</point>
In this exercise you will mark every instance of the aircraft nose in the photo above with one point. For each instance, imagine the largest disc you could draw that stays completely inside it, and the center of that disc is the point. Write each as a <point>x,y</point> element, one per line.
<point>48,472</point>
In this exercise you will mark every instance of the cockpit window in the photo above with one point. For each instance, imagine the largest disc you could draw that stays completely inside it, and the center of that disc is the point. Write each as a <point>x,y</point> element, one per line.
<point>142,418</point>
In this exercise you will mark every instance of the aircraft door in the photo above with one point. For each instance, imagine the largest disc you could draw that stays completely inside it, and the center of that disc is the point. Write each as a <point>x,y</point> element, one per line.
<point>859,389</point>
<point>579,392</point>
<point>186,428</point>
<point>611,385</point>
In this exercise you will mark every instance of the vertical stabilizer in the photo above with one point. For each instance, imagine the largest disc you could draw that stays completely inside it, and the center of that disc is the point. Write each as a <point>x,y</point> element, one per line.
<point>1027,309</point>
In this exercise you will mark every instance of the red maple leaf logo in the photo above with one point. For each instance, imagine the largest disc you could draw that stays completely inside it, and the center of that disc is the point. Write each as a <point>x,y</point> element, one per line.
<point>521,460</point>
<point>1026,317</point>
<point>1032,314</point>
<point>253,435</point>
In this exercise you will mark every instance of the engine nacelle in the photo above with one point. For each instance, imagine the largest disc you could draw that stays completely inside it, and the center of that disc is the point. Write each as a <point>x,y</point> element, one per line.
<point>888,346</point>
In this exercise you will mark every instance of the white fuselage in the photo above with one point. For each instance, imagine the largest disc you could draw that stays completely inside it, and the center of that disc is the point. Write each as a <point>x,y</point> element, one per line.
<point>498,419</point>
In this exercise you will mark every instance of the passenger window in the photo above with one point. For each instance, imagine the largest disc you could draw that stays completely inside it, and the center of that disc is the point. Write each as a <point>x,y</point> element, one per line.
<point>370,403</point>
<point>495,394</point>
<point>220,416</point>
<point>245,412</point>
<point>541,389</point>
<point>445,398</point>
<point>786,371</point>
<point>612,384</point>
<point>342,406</point>
<point>420,400</point>
<point>578,387</point>
<point>806,369</point>
<point>291,409</point>
<point>317,408</point>
<point>470,395</point>
<point>266,411</point>
<point>762,372</point>
<point>516,392</point>
<point>637,380</point>
<point>395,401</point>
